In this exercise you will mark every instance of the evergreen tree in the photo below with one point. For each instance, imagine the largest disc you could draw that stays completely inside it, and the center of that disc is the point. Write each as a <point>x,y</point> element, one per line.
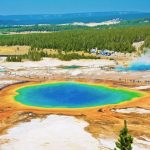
<point>8,59</point>
<point>125,140</point>
<point>116,39</point>
<point>14,58</point>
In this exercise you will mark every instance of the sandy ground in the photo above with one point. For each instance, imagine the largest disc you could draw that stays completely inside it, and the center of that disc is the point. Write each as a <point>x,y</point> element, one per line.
<point>27,32</point>
<point>94,24</point>
<point>138,45</point>
<point>21,50</point>
<point>13,50</point>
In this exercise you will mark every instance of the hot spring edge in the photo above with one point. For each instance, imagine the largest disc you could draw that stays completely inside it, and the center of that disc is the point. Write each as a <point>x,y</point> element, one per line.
<point>72,95</point>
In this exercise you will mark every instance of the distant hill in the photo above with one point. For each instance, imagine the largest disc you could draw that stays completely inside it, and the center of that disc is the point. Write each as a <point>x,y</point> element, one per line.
<point>69,18</point>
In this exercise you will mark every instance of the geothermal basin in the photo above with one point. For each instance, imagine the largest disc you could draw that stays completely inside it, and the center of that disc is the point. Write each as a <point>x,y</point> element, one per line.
<point>72,95</point>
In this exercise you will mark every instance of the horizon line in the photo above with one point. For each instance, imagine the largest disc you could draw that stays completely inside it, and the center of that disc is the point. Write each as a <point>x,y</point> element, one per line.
<point>123,11</point>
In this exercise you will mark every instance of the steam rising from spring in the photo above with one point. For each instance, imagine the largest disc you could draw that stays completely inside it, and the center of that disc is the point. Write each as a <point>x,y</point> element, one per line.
<point>140,64</point>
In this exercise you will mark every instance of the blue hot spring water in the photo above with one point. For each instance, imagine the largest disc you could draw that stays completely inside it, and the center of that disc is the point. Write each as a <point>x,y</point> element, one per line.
<point>135,67</point>
<point>72,95</point>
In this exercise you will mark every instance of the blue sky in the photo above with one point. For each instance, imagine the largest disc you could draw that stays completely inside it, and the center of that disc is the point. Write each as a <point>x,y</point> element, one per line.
<point>11,7</point>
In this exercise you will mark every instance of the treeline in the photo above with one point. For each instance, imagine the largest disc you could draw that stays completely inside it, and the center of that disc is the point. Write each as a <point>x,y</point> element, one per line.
<point>147,42</point>
<point>37,55</point>
<point>33,55</point>
<point>71,56</point>
<point>119,39</point>
<point>14,58</point>
<point>56,27</point>
<point>42,28</point>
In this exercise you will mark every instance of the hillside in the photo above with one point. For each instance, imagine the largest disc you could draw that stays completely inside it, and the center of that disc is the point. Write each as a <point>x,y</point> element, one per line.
<point>78,25</point>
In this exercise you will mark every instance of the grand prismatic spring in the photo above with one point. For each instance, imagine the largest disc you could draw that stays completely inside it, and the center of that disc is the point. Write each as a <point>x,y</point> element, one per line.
<point>72,95</point>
